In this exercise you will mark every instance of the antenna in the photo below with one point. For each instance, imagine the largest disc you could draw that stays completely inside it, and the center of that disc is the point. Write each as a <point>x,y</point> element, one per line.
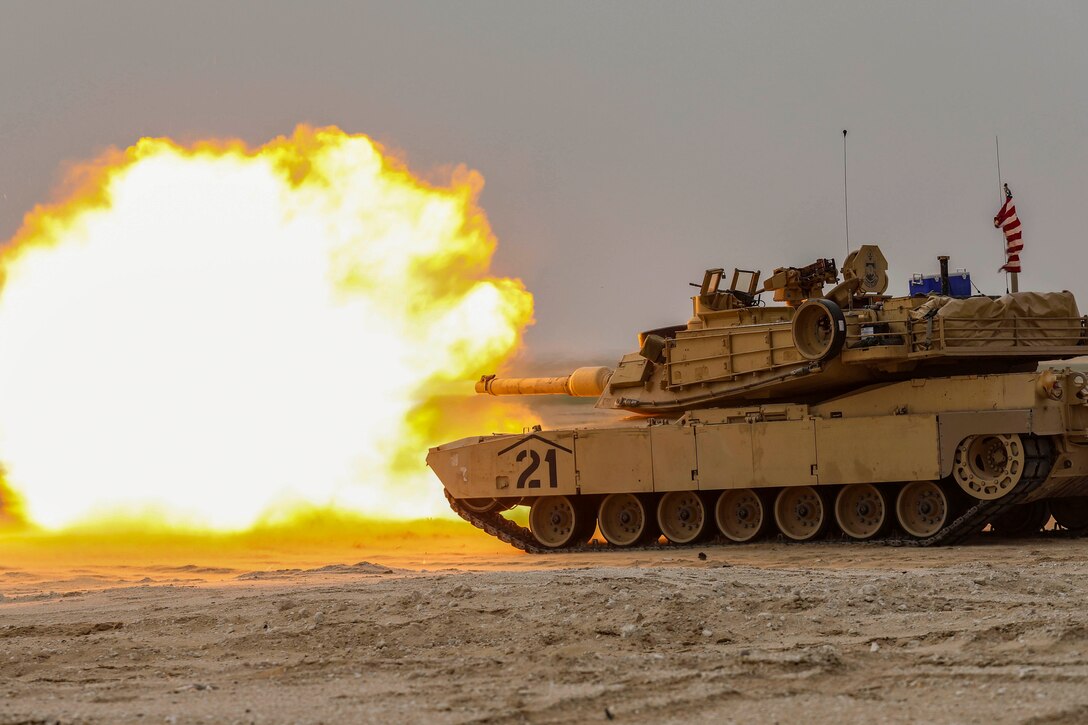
<point>845,194</point>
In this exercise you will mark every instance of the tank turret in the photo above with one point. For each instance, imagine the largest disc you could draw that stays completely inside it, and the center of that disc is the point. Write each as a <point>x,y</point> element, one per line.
<point>736,349</point>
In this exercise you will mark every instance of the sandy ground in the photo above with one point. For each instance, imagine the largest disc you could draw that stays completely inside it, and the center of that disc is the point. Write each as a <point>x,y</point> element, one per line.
<point>452,627</point>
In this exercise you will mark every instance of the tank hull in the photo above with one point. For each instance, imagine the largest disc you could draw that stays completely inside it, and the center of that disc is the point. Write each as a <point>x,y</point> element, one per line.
<point>971,445</point>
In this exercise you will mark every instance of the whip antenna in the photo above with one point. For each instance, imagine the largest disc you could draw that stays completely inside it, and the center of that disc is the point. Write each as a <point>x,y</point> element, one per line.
<point>1001,202</point>
<point>845,194</point>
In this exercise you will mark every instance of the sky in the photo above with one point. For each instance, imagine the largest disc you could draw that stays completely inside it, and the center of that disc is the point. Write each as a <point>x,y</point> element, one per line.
<point>626,146</point>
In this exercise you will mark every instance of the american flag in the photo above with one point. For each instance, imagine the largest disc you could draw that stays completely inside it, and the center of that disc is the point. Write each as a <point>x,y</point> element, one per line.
<point>1010,225</point>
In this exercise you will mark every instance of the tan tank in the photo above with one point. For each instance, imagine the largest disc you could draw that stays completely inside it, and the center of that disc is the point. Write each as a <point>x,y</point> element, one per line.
<point>843,412</point>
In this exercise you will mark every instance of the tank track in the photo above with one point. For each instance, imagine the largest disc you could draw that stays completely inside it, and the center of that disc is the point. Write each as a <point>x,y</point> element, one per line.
<point>494,524</point>
<point>1039,456</point>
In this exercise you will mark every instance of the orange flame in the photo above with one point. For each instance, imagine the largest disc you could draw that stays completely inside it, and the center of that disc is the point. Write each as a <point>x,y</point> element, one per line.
<point>216,336</point>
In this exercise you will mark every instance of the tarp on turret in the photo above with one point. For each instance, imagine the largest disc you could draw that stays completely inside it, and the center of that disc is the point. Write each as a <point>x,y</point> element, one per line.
<point>1021,319</point>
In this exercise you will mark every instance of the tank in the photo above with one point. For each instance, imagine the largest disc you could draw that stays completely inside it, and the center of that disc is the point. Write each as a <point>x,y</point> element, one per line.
<point>834,410</point>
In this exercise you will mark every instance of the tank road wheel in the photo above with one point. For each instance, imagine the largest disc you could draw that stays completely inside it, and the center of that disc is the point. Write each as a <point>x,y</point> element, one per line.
<point>682,517</point>
<point>1070,512</point>
<point>482,505</point>
<point>741,515</point>
<point>1023,520</point>
<point>922,509</point>
<point>557,522</point>
<point>800,513</point>
<point>988,466</point>
<point>861,511</point>
<point>625,520</point>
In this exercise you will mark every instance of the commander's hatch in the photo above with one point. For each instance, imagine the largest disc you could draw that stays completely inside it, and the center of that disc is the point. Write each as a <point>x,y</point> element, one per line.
<point>741,292</point>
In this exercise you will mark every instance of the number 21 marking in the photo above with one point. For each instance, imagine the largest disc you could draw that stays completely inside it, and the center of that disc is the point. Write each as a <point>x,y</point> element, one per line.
<point>534,463</point>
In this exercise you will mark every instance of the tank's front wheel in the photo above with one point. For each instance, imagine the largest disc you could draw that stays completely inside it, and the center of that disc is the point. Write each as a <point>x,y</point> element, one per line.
<point>922,508</point>
<point>861,511</point>
<point>558,521</point>
<point>800,513</point>
<point>682,517</point>
<point>625,520</point>
<point>741,515</point>
<point>482,505</point>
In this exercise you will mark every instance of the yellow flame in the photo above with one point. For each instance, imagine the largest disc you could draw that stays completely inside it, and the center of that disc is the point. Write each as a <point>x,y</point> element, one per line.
<point>215,336</point>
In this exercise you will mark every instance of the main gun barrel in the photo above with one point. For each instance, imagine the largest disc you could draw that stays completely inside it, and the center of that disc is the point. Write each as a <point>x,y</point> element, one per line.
<point>582,383</point>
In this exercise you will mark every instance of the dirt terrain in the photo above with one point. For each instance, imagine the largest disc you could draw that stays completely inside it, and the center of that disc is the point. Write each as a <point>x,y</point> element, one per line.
<point>457,629</point>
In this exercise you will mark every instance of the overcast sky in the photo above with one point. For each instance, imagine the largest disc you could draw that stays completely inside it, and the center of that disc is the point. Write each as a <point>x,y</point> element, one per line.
<point>626,146</point>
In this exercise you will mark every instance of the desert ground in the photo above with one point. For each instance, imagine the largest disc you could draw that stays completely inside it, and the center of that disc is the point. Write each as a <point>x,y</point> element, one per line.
<point>449,627</point>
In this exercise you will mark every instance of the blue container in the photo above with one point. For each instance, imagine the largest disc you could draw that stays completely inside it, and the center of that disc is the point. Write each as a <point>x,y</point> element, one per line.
<point>959,284</point>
